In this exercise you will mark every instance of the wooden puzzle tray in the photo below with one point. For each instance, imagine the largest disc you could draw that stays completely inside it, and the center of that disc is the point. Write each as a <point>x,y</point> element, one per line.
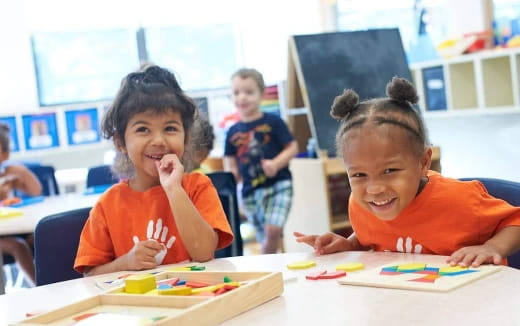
<point>418,276</point>
<point>117,307</point>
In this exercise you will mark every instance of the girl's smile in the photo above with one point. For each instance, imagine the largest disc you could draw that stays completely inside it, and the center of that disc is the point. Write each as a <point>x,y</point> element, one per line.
<point>148,138</point>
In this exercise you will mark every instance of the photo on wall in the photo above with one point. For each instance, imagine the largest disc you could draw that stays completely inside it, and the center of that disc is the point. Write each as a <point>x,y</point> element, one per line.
<point>40,131</point>
<point>82,126</point>
<point>13,131</point>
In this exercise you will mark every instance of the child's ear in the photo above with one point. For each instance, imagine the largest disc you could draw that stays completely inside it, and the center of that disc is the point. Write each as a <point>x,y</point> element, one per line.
<point>119,144</point>
<point>426,161</point>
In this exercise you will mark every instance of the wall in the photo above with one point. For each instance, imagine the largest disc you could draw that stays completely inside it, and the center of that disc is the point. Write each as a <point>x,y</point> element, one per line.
<point>478,145</point>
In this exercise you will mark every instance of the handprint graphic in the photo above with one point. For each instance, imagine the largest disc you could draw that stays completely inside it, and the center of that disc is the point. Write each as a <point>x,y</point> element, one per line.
<point>160,234</point>
<point>408,246</point>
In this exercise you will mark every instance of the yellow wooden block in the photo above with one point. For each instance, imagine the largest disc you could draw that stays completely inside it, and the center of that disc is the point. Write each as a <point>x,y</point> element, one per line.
<point>451,269</point>
<point>176,290</point>
<point>411,267</point>
<point>350,267</point>
<point>152,292</point>
<point>140,283</point>
<point>179,269</point>
<point>211,288</point>
<point>6,212</point>
<point>301,264</point>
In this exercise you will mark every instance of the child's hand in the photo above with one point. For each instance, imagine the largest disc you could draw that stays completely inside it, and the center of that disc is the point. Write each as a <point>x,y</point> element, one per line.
<point>142,255</point>
<point>327,243</point>
<point>475,256</point>
<point>170,171</point>
<point>269,167</point>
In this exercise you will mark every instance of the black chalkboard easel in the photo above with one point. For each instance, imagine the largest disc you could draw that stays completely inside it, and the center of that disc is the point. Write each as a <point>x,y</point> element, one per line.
<point>321,66</point>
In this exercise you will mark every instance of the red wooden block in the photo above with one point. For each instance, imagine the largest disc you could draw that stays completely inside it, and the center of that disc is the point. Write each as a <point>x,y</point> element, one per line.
<point>195,284</point>
<point>315,275</point>
<point>170,281</point>
<point>335,274</point>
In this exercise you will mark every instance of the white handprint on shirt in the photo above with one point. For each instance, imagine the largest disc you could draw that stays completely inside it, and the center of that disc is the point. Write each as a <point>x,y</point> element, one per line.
<point>160,234</point>
<point>417,249</point>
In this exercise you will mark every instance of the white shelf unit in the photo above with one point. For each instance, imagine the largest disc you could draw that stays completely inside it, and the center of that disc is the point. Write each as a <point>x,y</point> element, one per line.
<point>484,82</point>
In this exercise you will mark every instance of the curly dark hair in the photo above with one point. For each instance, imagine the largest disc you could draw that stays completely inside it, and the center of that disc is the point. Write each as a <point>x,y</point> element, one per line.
<point>396,109</point>
<point>152,89</point>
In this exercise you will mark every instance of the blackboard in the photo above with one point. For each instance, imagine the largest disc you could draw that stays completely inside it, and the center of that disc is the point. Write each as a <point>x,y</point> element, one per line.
<point>364,61</point>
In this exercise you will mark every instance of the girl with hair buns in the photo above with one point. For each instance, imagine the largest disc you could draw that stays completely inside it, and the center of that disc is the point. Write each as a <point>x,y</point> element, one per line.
<point>159,215</point>
<point>397,203</point>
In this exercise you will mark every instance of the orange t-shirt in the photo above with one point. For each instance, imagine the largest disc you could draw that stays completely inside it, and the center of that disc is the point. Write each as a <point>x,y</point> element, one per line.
<point>447,215</point>
<point>123,216</point>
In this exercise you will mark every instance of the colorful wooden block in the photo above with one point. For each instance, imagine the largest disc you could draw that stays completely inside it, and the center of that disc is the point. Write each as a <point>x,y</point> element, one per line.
<point>176,290</point>
<point>314,276</point>
<point>350,267</point>
<point>140,283</point>
<point>194,284</point>
<point>331,275</point>
<point>169,281</point>
<point>411,267</point>
<point>302,264</point>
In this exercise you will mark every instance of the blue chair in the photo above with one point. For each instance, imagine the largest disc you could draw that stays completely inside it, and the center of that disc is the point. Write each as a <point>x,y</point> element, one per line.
<point>44,173</point>
<point>54,255</point>
<point>508,191</point>
<point>226,187</point>
<point>101,175</point>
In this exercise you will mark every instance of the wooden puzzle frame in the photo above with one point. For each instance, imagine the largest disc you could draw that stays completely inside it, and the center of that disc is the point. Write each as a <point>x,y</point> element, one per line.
<point>409,280</point>
<point>258,288</point>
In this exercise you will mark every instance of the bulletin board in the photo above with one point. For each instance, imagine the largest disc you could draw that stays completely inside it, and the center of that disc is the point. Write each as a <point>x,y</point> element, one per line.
<point>40,131</point>
<point>82,126</point>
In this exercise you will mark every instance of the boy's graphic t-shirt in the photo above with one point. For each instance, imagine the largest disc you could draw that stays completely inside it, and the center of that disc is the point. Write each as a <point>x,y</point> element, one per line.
<point>123,217</point>
<point>251,142</point>
<point>447,215</point>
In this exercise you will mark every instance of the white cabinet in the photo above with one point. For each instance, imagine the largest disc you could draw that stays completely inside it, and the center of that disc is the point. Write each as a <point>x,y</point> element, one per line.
<point>484,82</point>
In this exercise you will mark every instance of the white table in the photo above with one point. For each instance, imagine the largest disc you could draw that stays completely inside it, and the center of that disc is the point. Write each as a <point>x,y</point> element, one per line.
<point>33,213</point>
<point>493,300</point>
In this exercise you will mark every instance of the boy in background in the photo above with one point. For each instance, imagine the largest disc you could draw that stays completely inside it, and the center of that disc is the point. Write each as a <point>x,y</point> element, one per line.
<point>257,151</point>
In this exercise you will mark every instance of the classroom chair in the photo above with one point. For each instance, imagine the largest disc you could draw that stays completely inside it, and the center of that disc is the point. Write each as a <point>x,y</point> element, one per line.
<point>101,175</point>
<point>508,191</point>
<point>56,241</point>
<point>44,173</point>
<point>226,187</point>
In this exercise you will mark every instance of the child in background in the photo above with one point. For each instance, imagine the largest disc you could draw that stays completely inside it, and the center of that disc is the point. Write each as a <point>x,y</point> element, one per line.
<point>159,215</point>
<point>260,147</point>
<point>201,144</point>
<point>397,203</point>
<point>20,178</point>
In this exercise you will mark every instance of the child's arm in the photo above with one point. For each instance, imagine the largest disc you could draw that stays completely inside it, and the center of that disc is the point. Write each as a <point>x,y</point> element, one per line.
<point>25,180</point>
<point>142,256</point>
<point>505,243</point>
<point>329,242</point>
<point>197,235</point>
<point>271,167</point>
<point>230,165</point>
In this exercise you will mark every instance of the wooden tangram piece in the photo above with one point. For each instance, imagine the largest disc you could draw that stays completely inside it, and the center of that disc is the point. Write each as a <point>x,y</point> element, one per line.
<point>433,277</point>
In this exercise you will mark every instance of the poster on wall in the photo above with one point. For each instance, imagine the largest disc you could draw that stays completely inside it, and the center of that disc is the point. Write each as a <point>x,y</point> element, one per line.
<point>82,126</point>
<point>40,131</point>
<point>13,132</point>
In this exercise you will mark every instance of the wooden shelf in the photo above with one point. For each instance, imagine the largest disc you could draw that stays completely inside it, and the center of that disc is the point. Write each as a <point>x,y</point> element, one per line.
<point>478,83</point>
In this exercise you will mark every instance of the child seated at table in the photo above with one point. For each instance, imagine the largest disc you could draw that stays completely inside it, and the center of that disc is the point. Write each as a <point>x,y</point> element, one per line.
<point>397,203</point>
<point>158,214</point>
<point>201,144</point>
<point>21,178</point>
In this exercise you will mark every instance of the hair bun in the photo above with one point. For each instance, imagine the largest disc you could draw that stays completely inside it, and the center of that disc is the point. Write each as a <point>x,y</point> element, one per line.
<point>344,104</point>
<point>401,90</point>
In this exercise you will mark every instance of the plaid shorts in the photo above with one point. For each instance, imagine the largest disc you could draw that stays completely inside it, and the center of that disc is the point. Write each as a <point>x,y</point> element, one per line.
<point>269,206</point>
